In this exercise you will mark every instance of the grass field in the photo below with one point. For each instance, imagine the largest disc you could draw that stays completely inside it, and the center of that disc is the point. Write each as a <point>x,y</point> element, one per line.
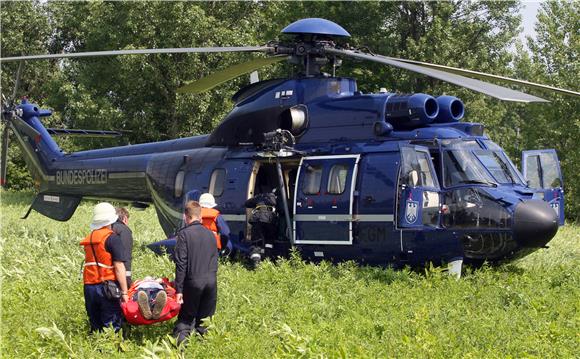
<point>530,308</point>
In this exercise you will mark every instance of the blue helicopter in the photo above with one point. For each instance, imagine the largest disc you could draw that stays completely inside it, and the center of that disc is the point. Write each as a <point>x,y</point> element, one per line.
<point>379,178</point>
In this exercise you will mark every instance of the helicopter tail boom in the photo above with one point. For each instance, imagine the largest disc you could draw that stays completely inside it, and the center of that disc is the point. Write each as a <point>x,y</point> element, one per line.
<point>38,147</point>
<point>63,179</point>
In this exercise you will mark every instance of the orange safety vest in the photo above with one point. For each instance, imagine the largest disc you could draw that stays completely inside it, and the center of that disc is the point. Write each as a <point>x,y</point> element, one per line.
<point>93,273</point>
<point>209,221</point>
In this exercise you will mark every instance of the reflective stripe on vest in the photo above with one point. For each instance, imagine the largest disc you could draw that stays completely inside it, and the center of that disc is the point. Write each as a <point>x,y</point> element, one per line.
<point>209,221</point>
<point>93,273</point>
<point>100,265</point>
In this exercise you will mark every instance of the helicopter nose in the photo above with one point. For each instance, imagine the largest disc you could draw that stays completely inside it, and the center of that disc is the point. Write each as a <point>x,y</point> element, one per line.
<point>535,223</point>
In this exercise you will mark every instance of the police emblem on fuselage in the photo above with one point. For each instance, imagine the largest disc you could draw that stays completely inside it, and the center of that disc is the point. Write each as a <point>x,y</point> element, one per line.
<point>411,211</point>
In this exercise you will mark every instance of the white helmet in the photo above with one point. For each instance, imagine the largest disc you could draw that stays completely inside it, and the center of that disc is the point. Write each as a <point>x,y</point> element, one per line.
<point>103,215</point>
<point>206,200</point>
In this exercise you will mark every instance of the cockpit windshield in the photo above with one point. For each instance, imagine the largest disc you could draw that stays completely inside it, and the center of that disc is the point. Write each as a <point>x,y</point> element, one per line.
<point>466,162</point>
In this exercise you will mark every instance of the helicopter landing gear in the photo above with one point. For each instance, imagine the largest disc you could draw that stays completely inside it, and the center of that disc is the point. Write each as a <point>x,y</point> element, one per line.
<point>454,267</point>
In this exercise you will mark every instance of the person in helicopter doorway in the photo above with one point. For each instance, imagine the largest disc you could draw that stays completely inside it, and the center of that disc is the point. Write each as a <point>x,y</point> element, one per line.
<point>264,221</point>
<point>212,219</point>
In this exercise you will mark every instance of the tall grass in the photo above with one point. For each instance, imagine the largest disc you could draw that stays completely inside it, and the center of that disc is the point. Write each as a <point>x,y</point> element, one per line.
<point>529,308</point>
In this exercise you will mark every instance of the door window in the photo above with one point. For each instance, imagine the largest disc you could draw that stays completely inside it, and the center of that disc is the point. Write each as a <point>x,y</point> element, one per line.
<point>426,178</point>
<point>419,200</point>
<point>337,179</point>
<point>416,169</point>
<point>550,170</point>
<point>312,179</point>
<point>533,175</point>
<point>542,169</point>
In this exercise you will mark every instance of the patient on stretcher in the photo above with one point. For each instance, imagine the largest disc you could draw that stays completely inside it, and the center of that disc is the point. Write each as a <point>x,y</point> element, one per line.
<point>151,296</point>
<point>157,303</point>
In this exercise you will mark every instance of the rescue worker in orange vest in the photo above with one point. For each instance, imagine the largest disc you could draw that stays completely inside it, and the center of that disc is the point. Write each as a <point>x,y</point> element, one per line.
<point>104,261</point>
<point>214,221</point>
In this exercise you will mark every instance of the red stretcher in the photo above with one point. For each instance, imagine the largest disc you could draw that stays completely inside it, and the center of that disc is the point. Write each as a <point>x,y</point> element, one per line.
<point>133,314</point>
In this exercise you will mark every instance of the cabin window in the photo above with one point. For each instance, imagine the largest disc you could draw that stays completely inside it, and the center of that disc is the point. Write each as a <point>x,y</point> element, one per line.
<point>312,179</point>
<point>217,182</point>
<point>337,179</point>
<point>178,187</point>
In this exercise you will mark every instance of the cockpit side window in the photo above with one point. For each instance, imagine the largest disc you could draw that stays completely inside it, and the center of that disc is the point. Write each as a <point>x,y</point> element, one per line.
<point>410,167</point>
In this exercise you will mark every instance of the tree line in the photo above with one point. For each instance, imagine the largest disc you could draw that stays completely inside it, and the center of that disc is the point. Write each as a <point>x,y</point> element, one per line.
<point>137,93</point>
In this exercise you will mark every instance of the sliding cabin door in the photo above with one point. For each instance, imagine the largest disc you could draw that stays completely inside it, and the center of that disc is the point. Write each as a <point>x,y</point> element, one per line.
<point>323,202</point>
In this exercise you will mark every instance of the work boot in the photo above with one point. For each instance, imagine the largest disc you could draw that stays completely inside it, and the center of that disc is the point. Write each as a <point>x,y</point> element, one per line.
<point>160,300</point>
<point>201,330</point>
<point>181,332</point>
<point>143,301</point>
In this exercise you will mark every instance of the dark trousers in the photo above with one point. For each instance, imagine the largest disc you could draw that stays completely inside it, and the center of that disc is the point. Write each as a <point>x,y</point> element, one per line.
<point>262,233</point>
<point>102,312</point>
<point>199,301</point>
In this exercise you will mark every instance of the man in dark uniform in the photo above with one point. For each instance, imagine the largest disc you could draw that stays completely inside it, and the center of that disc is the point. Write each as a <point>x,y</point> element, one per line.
<point>122,229</point>
<point>264,221</point>
<point>196,262</point>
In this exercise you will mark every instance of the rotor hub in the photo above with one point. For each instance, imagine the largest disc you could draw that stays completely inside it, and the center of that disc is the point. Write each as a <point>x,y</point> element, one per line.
<point>315,26</point>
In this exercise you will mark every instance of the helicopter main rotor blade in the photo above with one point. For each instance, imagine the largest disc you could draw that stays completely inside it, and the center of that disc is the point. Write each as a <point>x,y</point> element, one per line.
<point>483,75</point>
<point>219,77</point>
<point>143,51</point>
<point>499,92</point>
<point>17,81</point>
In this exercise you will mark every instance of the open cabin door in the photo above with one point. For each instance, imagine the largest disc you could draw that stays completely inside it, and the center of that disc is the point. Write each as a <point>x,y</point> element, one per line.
<point>541,168</point>
<point>323,201</point>
<point>419,192</point>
